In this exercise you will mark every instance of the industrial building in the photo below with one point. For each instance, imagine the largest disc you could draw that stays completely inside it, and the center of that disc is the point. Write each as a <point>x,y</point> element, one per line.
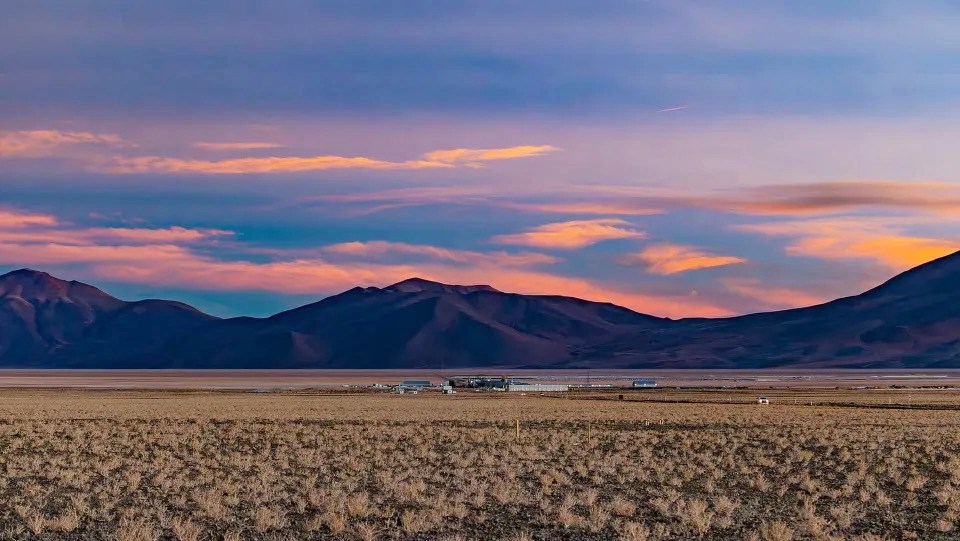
<point>536,387</point>
<point>644,383</point>
<point>504,383</point>
<point>416,384</point>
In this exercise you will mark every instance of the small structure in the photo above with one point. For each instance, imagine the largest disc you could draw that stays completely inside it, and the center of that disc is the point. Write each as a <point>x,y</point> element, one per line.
<point>536,387</point>
<point>503,383</point>
<point>644,383</point>
<point>763,400</point>
<point>416,384</point>
<point>447,389</point>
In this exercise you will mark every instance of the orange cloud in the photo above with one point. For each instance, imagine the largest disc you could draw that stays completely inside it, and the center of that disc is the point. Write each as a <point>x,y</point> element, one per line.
<point>474,156</point>
<point>572,234</point>
<point>254,145</point>
<point>672,259</point>
<point>898,252</point>
<point>441,159</point>
<point>880,239</point>
<point>39,143</point>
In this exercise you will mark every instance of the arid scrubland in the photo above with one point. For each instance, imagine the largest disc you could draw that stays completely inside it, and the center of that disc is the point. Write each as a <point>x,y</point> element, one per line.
<point>137,466</point>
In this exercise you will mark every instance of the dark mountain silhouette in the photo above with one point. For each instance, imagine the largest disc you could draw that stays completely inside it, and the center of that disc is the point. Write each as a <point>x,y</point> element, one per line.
<point>415,323</point>
<point>912,320</point>
<point>45,321</point>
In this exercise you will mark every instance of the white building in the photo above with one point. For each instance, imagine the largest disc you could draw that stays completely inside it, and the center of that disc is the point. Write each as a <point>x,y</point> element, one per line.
<point>537,387</point>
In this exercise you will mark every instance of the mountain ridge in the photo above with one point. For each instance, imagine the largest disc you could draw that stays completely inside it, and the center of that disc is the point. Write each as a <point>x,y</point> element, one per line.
<point>911,320</point>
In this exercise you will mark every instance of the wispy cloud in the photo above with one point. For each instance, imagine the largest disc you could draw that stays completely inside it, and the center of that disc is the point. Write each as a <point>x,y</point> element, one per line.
<point>375,249</point>
<point>881,239</point>
<point>250,145</point>
<point>40,143</point>
<point>810,199</point>
<point>549,202</point>
<point>832,197</point>
<point>36,228</point>
<point>438,159</point>
<point>572,234</point>
<point>16,219</point>
<point>160,164</point>
<point>673,109</point>
<point>474,157</point>
<point>609,208</point>
<point>673,259</point>
<point>807,199</point>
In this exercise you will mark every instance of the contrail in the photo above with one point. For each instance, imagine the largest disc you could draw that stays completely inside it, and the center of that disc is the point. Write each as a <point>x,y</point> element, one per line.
<point>671,109</point>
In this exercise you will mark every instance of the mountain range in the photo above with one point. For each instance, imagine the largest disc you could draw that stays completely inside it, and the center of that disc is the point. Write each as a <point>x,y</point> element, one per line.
<point>911,321</point>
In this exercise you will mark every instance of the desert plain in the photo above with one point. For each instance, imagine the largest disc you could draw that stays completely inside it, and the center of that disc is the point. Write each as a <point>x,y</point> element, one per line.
<point>664,464</point>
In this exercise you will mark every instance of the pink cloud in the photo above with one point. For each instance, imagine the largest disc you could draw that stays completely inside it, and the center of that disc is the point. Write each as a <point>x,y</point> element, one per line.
<point>475,157</point>
<point>18,219</point>
<point>383,248</point>
<point>47,229</point>
<point>248,145</point>
<point>39,143</point>
<point>608,208</point>
<point>572,234</point>
<point>673,259</point>
<point>439,159</point>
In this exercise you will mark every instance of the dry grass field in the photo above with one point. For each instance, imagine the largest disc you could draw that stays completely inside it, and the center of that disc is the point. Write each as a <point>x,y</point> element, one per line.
<point>189,466</point>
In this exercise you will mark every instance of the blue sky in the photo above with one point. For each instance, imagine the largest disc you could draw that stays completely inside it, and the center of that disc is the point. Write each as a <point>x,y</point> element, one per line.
<point>677,157</point>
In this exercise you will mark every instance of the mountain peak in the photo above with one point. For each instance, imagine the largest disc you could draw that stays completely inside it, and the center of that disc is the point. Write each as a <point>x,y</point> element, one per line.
<point>34,285</point>
<point>29,283</point>
<point>25,273</point>
<point>420,285</point>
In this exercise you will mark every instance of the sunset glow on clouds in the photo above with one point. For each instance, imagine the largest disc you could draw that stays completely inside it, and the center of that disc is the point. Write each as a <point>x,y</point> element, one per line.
<point>164,257</point>
<point>877,239</point>
<point>437,159</point>
<point>571,235</point>
<point>767,155</point>
<point>251,145</point>
<point>40,143</point>
<point>673,259</point>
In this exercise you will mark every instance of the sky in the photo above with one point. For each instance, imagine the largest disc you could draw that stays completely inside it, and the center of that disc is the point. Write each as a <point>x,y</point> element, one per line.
<point>678,157</point>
